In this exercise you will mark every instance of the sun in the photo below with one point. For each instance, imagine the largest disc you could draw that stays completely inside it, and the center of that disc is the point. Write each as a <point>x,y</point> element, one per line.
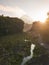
<point>40,18</point>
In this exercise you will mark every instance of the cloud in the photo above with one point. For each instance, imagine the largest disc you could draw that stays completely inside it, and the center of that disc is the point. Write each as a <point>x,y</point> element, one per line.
<point>6,8</point>
<point>15,10</point>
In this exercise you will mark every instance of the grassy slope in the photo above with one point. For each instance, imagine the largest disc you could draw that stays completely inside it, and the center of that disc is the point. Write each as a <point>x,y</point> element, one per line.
<point>13,49</point>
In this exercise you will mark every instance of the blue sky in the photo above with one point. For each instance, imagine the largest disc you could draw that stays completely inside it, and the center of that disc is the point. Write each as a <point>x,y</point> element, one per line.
<point>36,9</point>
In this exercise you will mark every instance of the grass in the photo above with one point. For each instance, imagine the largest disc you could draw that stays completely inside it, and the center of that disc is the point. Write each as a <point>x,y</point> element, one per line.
<point>13,49</point>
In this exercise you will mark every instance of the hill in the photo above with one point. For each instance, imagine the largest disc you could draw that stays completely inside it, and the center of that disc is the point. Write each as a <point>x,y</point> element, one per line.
<point>27,22</point>
<point>10,25</point>
<point>27,19</point>
<point>27,27</point>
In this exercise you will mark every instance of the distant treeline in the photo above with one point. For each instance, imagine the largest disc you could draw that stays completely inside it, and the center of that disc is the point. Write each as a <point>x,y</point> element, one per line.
<point>9,25</point>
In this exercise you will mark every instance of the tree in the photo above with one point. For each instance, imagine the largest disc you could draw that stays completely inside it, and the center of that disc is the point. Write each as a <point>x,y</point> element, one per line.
<point>9,25</point>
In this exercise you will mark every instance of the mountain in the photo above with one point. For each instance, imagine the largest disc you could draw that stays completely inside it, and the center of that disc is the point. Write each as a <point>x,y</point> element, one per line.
<point>28,22</point>
<point>27,19</point>
<point>27,27</point>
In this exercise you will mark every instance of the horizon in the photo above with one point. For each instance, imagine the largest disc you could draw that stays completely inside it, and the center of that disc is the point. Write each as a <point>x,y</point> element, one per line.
<point>35,9</point>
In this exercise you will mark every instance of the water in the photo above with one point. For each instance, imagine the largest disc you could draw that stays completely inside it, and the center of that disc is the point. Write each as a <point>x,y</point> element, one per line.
<point>40,41</point>
<point>26,59</point>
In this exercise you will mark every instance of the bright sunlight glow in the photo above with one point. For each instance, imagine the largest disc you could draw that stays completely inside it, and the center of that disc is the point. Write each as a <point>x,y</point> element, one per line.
<point>40,17</point>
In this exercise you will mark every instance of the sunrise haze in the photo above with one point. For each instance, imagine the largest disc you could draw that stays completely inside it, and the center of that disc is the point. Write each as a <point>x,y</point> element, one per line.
<point>36,9</point>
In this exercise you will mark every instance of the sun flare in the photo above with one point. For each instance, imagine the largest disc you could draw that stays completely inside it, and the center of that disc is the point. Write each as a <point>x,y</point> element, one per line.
<point>40,17</point>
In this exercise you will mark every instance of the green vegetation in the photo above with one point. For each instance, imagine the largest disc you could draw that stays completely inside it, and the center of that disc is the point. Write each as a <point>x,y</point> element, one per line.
<point>13,47</point>
<point>10,25</point>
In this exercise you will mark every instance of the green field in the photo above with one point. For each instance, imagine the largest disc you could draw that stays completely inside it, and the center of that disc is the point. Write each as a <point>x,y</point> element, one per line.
<point>13,48</point>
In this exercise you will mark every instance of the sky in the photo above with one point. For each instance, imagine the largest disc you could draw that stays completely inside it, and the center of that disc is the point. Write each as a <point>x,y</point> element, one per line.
<point>36,9</point>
